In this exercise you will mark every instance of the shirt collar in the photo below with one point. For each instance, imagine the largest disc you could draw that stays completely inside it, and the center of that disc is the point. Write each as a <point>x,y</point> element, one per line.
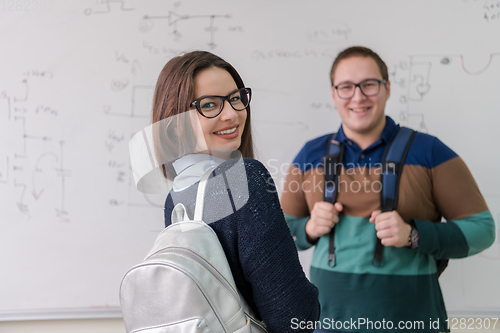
<point>191,168</point>
<point>390,129</point>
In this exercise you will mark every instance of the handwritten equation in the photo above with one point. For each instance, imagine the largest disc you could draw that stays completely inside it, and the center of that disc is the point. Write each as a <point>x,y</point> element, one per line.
<point>488,11</point>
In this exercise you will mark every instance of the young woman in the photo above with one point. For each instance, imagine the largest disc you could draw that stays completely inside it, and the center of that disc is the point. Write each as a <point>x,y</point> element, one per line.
<point>204,111</point>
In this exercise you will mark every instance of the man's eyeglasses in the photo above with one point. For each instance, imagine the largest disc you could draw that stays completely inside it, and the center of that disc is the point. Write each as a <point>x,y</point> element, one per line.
<point>370,87</point>
<point>211,106</point>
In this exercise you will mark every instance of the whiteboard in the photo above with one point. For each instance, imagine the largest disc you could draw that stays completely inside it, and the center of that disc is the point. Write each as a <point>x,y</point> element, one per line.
<point>76,83</point>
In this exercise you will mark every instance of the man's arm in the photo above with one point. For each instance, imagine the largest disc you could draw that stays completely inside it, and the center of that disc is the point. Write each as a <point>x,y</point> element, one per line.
<point>470,227</point>
<point>306,227</point>
<point>294,205</point>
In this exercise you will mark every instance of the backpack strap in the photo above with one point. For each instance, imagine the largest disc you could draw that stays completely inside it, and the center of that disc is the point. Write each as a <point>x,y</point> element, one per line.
<point>332,163</point>
<point>200,196</point>
<point>441,265</point>
<point>392,167</point>
<point>179,213</point>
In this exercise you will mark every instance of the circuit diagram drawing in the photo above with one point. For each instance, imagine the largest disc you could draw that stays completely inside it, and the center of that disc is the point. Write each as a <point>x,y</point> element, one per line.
<point>137,109</point>
<point>173,19</point>
<point>139,99</point>
<point>137,118</point>
<point>414,77</point>
<point>33,167</point>
<point>106,6</point>
<point>482,70</point>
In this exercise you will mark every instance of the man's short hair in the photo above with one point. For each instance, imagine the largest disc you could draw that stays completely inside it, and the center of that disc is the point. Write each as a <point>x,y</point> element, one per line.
<point>360,51</point>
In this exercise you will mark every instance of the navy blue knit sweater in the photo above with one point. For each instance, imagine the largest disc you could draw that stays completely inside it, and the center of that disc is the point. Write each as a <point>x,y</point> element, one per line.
<point>257,243</point>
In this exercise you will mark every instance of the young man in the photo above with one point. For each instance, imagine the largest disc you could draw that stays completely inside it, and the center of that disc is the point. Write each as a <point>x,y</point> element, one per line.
<point>403,292</point>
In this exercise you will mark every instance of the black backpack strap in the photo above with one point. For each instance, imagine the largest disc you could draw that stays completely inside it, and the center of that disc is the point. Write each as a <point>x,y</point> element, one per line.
<point>332,163</point>
<point>441,265</point>
<point>392,167</point>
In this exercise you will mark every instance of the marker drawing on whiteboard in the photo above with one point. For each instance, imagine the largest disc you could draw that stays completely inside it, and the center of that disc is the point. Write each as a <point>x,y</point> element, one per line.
<point>136,108</point>
<point>30,181</point>
<point>63,173</point>
<point>37,170</point>
<point>4,172</point>
<point>108,8</point>
<point>481,70</point>
<point>173,19</point>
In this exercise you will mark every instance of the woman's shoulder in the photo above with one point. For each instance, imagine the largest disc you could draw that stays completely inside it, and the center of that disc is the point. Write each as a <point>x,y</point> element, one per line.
<point>255,168</point>
<point>248,169</point>
<point>246,162</point>
<point>245,177</point>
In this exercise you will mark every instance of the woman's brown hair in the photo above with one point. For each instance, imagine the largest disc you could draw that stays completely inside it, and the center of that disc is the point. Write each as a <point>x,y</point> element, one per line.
<point>173,95</point>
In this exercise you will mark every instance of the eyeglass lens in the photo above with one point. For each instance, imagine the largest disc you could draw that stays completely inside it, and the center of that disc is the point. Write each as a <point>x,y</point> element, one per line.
<point>211,106</point>
<point>368,87</point>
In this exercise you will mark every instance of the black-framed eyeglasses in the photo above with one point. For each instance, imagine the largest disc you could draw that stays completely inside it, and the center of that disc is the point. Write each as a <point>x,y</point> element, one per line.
<point>211,106</point>
<point>370,87</point>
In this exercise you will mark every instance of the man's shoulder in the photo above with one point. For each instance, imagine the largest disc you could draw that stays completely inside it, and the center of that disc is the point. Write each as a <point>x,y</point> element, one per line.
<point>310,156</point>
<point>428,151</point>
<point>318,141</point>
<point>423,143</point>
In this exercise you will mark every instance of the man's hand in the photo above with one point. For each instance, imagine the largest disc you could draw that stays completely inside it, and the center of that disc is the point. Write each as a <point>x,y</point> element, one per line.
<point>324,216</point>
<point>391,229</point>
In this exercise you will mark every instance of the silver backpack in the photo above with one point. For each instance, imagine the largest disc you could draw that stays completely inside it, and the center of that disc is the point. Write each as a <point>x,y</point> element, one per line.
<point>185,284</point>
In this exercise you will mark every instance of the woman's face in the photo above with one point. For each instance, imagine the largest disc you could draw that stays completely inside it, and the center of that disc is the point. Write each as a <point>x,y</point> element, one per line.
<point>222,134</point>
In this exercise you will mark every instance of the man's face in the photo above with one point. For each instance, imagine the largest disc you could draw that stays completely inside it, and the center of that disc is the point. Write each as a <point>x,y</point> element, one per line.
<point>361,115</point>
